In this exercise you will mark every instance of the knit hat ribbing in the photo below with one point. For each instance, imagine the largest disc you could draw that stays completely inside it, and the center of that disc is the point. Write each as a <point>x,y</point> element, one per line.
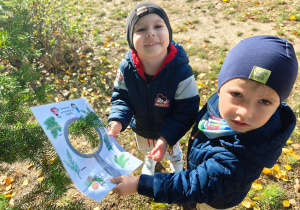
<point>265,59</point>
<point>141,10</point>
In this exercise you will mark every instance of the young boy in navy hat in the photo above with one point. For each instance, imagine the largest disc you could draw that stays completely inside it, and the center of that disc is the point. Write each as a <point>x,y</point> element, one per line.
<point>242,129</point>
<point>155,90</point>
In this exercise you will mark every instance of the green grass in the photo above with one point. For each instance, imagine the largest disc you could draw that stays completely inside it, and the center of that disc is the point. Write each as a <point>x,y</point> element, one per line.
<point>202,54</point>
<point>239,33</point>
<point>270,197</point>
<point>3,202</point>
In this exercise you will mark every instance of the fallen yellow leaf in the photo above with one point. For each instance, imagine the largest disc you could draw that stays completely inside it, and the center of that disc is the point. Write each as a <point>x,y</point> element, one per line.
<point>276,168</point>
<point>25,182</point>
<point>8,188</point>
<point>256,186</point>
<point>256,208</point>
<point>296,156</point>
<point>7,196</point>
<point>9,180</point>
<point>286,203</point>
<point>267,171</point>
<point>292,17</point>
<point>248,203</point>
<point>284,177</point>
<point>285,150</point>
<point>287,167</point>
<point>40,179</point>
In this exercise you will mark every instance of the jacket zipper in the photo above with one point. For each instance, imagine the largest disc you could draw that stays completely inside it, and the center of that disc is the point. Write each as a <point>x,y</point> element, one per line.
<point>150,109</point>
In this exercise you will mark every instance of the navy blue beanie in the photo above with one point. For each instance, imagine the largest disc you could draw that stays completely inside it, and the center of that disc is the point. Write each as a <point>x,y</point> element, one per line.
<point>141,10</point>
<point>269,60</point>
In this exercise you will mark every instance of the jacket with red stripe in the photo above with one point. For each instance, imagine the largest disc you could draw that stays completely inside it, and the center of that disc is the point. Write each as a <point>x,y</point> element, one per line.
<point>167,106</point>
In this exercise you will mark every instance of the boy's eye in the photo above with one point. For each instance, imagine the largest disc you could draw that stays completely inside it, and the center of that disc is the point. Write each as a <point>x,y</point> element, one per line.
<point>236,94</point>
<point>265,102</point>
<point>158,26</point>
<point>140,30</point>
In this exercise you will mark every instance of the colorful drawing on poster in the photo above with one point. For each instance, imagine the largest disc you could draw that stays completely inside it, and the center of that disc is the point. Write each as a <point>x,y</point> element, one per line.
<point>52,125</point>
<point>94,182</point>
<point>74,107</point>
<point>107,143</point>
<point>72,164</point>
<point>89,172</point>
<point>55,111</point>
<point>121,161</point>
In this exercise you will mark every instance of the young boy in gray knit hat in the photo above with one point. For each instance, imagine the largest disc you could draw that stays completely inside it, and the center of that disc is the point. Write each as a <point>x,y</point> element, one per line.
<point>242,129</point>
<point>155,90</point>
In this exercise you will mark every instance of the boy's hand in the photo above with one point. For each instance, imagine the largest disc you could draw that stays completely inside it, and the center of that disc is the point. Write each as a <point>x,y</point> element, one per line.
<point>127,184</point>
<point>114,128</point>
<point>159,150</point>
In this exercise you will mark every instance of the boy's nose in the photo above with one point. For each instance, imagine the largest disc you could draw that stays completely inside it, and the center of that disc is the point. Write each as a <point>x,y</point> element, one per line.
<point>245,111</point>
<point>150,33</point>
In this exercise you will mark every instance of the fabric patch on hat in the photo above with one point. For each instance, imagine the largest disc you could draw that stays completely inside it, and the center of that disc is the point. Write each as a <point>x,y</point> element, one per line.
<point>141,10</point>
<point>259,74</point>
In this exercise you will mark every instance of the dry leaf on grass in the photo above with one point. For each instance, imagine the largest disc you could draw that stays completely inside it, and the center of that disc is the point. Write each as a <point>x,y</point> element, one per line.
<point>296,146</point>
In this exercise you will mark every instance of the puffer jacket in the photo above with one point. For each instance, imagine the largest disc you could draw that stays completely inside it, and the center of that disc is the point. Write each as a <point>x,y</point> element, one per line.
<point>167,106</point>
<point>221,170</point>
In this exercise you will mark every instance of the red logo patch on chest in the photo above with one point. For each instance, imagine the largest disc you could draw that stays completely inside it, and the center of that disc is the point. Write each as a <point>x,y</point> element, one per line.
<point>161,101</point>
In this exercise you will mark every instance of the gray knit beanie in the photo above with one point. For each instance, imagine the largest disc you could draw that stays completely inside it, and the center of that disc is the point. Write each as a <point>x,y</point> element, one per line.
<point>269,60</point>
<point>139,11</point>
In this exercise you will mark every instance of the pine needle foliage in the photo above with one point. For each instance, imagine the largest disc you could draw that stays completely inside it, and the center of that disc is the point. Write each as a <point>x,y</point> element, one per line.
<point>21,87</point>
<point>85,126</point>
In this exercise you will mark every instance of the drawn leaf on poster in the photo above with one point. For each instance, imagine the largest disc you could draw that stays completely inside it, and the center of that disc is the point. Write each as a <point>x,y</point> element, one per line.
<point>121,161</point>
<point>72,164</point>
<point>107,143</point>
<point>52,125</point>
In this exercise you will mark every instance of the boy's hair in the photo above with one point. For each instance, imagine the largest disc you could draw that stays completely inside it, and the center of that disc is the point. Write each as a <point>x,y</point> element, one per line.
<point>265,59</point>
<point>254,86</point>
<point>141,10</point>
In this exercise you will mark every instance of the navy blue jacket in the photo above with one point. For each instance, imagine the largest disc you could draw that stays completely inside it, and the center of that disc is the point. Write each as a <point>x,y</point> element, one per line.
<point>221,170</point>
<point>167,106</point>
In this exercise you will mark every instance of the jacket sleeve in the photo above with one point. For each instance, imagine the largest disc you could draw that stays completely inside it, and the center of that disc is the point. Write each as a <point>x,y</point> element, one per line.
<point>205,184</point>
<point>186,106</point>
<point>121,109</point>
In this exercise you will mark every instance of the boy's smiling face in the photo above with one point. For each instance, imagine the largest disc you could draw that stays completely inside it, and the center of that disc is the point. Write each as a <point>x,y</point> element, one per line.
<point>151,36</point>
<point>246,105</point>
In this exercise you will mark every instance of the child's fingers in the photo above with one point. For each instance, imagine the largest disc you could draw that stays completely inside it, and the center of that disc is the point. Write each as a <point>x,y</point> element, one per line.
<point>127,184</point>
<point>114,129</point>
<point>115,180</point>
<point>156,155</point>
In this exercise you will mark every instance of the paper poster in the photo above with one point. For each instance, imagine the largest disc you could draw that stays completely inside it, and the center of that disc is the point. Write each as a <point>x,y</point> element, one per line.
<point>89,172</point>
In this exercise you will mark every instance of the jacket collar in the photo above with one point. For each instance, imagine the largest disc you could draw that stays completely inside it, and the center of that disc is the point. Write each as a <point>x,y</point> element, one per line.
<point>139,66</point>
<point>263,146</point>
